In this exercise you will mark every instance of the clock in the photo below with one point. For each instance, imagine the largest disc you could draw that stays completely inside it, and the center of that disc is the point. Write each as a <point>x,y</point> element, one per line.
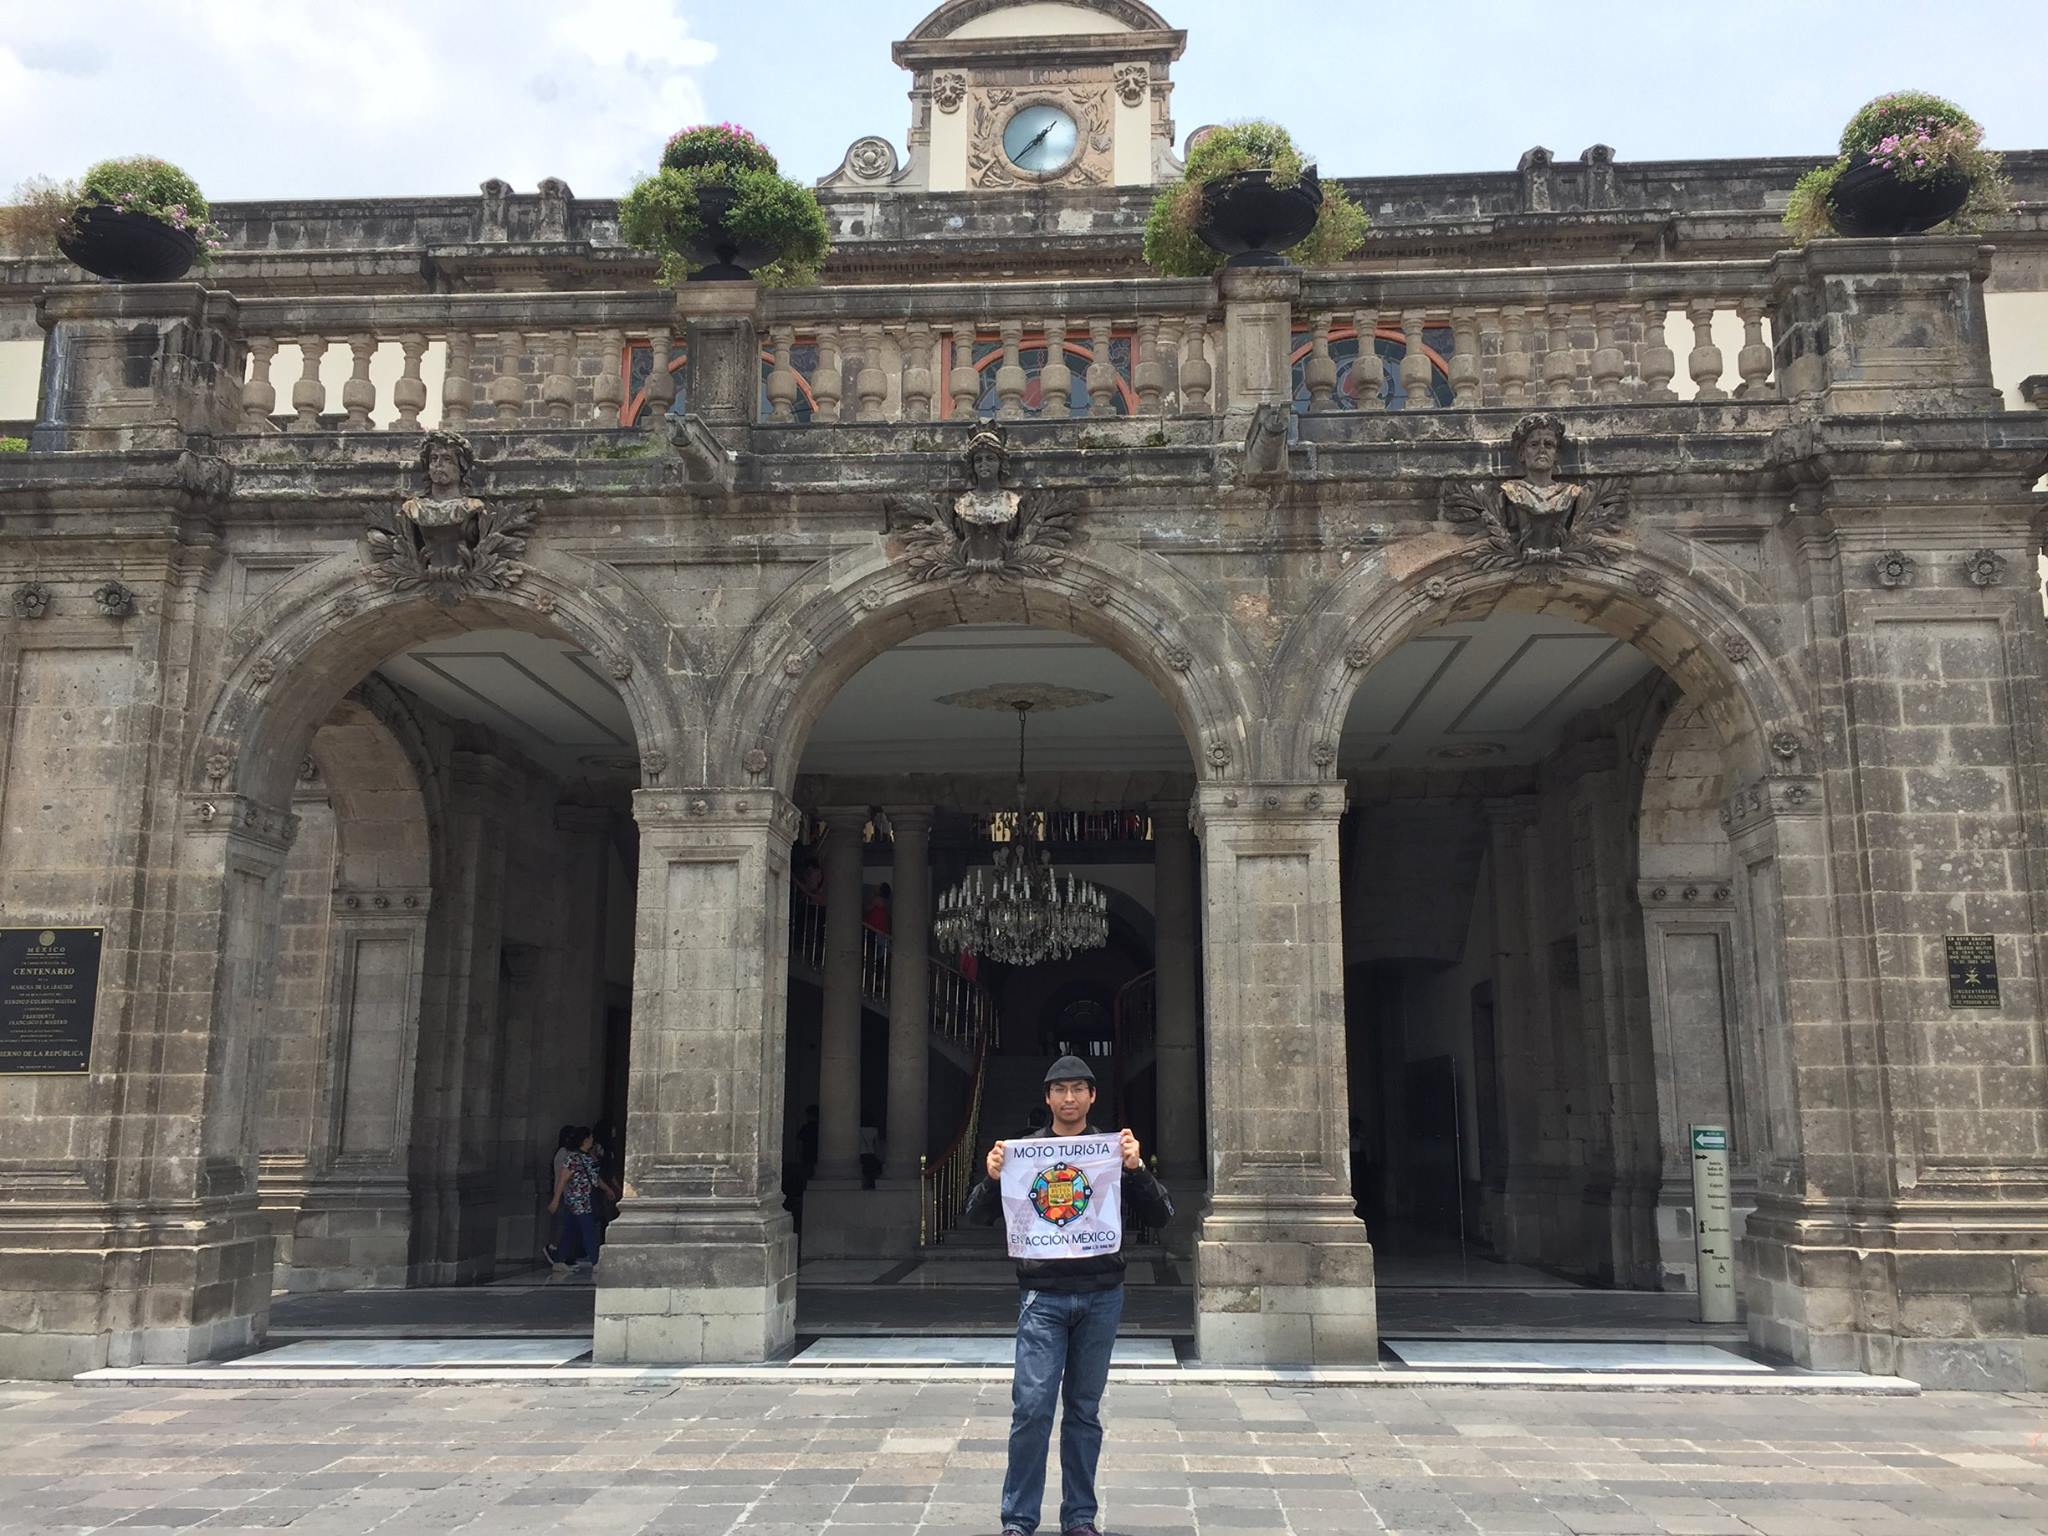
<point>1041,140</point>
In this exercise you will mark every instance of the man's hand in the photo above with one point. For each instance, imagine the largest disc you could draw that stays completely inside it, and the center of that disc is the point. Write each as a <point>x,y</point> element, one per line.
<point>1131,1157</point>
<point>995,1161</point>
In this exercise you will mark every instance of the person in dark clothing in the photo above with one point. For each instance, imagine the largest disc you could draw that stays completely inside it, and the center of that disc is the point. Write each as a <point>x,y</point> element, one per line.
<point>1066,1325</point>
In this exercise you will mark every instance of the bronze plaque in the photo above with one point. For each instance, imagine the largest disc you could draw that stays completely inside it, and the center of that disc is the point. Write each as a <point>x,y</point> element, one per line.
<point>49,982</point>
<point>1972,970</point>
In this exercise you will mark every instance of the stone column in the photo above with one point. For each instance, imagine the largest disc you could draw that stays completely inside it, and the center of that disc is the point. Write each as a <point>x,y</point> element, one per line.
<point>839,1030</point>
<point>1258,336</point>
<point>1513,1181</point>
<point>722,370</point>
<point>1177,1068</point>
<point>1283,1271</point>
<point>701,1264</point>
<point>910,928</point>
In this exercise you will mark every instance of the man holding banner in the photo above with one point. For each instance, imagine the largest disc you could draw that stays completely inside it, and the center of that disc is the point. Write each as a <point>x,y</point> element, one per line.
<point>1062,1193</point>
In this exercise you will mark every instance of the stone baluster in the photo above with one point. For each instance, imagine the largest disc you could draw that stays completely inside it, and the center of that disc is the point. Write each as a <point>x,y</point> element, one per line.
<point>1101,373</point>
<point>1415,371</point>
<point>1465,359</point>
<point>829,381</point>
<point>1368,371</point>
<point>1704,362</point>
<point>963,383</point>
<point>870,383</point>
<point>358,394</point>
<point>409,394</point>
<point>1753,362</point>
<point>1147,377</point>
<point>661,382</point>
<point>507,394</point>
<point>1514,355</point>
<point>1196,374</point>
<point>892,374</point>
<point>607,386</point>
<point>1319,370</point>
<point>917,372</point>
<point>1559,367</point>
<point>1171,329</point>
<point>1608,365</point>
<point>457,392</point>
<point>558,384</point>
<point>1655,362</point>
<point>309,395</point>
<point>259,395</point>
<point>1010,379</point>
<point>781,386</point>
<point>1056,379</point>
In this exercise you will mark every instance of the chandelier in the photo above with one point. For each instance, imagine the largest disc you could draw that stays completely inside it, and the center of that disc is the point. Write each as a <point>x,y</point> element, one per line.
<point>1023,911</point>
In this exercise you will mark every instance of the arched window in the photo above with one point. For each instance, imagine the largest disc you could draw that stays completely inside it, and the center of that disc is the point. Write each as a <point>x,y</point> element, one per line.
<point>1391,349</point>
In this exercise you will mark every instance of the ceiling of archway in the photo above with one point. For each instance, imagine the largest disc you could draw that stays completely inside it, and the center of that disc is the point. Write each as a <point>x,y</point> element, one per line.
<point>1497,691</point>
<point>1448,696</point>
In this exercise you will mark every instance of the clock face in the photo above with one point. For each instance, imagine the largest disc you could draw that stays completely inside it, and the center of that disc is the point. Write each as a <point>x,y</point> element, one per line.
<point>1040,139</point>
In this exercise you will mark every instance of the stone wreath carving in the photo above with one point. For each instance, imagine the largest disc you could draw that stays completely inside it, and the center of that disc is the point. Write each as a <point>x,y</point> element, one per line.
<point>986,534</point>
<point>447,543</point>
<point>1538,526</point>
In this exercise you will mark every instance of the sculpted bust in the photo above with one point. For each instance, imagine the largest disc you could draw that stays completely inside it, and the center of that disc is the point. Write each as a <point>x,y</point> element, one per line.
<point>1538,523</point>
<point>985,510</point>
<point>986,533</point>
<point>447,542</point>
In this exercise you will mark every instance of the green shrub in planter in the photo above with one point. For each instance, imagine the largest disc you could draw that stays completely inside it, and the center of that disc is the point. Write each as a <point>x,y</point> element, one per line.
<point>1909,162</point>
<point>1172,244</point>
<point>719,206</point>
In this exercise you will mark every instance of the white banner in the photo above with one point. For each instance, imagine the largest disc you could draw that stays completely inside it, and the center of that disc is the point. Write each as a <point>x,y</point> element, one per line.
<point>1063,1196</point>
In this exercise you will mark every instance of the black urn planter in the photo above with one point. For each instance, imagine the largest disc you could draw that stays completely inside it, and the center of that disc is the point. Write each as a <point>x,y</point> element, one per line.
<point>1253,222</point>
<point>126,247</point>
<point>1870,199</point>
<point>725,256</point>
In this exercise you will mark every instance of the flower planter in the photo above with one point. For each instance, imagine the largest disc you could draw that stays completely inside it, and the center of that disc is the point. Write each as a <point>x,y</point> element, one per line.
<point>1872,200</point>
<point>1253,222</point>
<point>726,258</point>
<point>126,247</point>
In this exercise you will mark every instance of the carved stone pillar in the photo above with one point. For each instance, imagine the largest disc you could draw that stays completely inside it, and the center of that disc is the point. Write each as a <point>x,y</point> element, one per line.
<point>701,1264</point>
<point>722,367</point>
<point>1258,339</point>
<point>1283,1271</point>
<point>1177,1071</point>
<point>839,1029</point>
<point>910,927</point>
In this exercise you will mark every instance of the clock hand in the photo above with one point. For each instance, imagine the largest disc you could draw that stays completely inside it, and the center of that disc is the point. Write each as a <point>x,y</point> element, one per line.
<point>1035,142</point>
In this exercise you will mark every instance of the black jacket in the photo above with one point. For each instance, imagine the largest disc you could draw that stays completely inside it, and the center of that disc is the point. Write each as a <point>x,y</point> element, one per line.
<point>1144,1200</point>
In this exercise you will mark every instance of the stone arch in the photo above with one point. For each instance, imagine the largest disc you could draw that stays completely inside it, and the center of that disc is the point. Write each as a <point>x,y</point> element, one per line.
<point>1706,623</point>
<point>295,654</point>
<point>805,647</point>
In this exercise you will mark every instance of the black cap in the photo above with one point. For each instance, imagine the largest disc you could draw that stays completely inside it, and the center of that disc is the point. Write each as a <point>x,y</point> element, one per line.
<point>1070,1069</point>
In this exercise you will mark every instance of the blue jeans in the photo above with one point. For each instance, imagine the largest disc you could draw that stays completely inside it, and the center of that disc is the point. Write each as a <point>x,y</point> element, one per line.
<point>1059,1335</point>
<point>576,1236</point>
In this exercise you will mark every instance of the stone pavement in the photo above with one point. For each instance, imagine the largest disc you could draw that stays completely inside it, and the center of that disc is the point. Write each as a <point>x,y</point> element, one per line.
<point>869,1459</point>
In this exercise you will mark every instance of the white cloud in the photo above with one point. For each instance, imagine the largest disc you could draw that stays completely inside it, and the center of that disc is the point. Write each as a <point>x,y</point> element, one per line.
<point>287,99</point>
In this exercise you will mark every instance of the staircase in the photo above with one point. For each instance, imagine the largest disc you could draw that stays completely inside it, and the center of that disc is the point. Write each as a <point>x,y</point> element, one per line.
<point>962,1028</point>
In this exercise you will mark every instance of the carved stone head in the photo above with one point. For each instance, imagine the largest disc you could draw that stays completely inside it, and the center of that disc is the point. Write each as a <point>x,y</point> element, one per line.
<point>1538,444</point>
<point>446,460</point>
<point>986,453</point>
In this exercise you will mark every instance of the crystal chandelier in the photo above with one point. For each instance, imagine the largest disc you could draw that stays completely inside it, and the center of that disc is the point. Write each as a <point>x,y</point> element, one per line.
<point>1023,911</point>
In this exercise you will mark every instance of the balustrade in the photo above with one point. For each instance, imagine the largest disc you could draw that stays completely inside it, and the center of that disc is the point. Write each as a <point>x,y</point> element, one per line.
<point>1132,348</point>
<point>1522,337</point>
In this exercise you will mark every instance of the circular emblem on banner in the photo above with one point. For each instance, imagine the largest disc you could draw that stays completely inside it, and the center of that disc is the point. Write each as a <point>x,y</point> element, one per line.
<point>1061,1193</point>
<point>46,938</point>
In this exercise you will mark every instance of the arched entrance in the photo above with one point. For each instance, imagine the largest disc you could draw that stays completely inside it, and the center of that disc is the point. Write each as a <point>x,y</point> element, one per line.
<point>1551,961</point>
<point>423,968</point>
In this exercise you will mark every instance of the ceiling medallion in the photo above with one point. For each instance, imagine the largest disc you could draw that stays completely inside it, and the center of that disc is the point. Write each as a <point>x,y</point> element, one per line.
<point>1021,912</point>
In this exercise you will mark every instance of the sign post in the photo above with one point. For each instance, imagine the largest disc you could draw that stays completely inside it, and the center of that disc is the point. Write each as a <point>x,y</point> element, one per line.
<point>1713,1240</point>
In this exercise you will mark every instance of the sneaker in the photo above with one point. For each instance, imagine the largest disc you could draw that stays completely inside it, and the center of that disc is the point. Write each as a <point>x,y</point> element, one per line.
<point>548,1252</point>
<point>1082,1530</point>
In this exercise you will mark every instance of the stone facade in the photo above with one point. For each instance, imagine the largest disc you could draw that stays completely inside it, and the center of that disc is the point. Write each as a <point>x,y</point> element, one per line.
<point>343,932</point>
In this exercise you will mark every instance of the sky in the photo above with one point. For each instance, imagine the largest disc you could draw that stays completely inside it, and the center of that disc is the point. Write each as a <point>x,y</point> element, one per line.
<point>351,98</point>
